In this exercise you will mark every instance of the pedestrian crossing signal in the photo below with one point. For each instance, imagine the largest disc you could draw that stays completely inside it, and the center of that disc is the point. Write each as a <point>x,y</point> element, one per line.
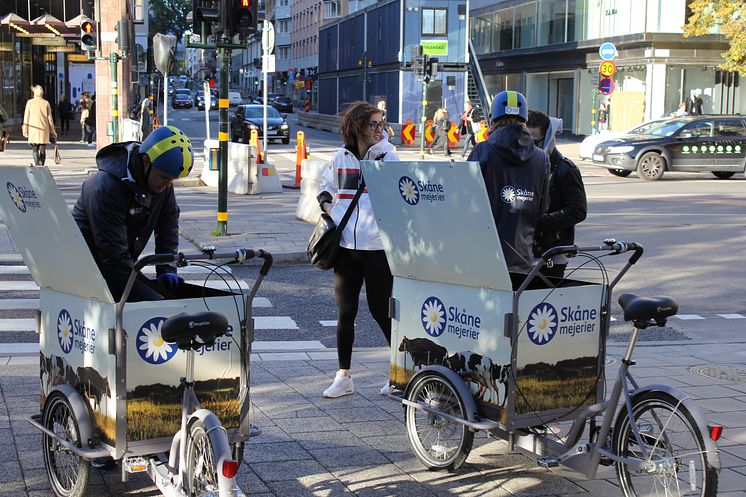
<point>87,34</point>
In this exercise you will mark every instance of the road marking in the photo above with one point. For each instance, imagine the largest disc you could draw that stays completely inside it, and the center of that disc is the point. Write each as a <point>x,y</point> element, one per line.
<point>274,323</point>
<point>12,349</point>
<point>21,324</point>
<point>18,286</point>
<point>732,316</point>
<point>328,323</point>
<point>12,304</point>
<point>687,317</point>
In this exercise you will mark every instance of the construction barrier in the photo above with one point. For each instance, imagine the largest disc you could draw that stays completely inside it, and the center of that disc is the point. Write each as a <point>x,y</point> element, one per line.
<point>453,135</point>
<point>308,208</point>
<point>429,132</point>
<point>301,153</point>
<point>245,176</point>
<point>307,104</point>
<point>481,135</point>
<point>408,133</point>
<point>254,142</point>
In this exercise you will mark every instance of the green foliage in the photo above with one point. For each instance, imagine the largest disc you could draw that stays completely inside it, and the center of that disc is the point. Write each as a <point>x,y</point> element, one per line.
<point>729,17</point>
<point>169,17</point>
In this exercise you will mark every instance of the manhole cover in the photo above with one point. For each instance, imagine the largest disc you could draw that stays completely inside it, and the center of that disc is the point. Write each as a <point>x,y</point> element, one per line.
<point>728,372</point>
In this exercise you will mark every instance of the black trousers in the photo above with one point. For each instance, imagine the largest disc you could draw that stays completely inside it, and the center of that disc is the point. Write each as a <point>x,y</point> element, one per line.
<point>354,267</point>
<point>39,151</point>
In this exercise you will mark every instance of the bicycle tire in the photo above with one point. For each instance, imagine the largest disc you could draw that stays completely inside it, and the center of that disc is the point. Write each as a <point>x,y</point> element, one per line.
<point>67,472</point>
<point>202,459</point>
<point>453,441</point>
<point>674,442</point>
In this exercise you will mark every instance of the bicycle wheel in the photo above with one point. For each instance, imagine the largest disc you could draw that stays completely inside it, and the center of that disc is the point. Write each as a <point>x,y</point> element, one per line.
<point>672,441</point>
<point>202,460</point>
<point>440,443</point>
<point>68,473</point>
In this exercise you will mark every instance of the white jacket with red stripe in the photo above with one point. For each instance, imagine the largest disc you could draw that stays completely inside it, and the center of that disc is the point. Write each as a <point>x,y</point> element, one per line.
<point>341,180</point>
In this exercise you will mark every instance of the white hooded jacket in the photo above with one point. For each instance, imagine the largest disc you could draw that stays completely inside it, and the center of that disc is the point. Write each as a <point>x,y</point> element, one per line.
<point>341,180</point>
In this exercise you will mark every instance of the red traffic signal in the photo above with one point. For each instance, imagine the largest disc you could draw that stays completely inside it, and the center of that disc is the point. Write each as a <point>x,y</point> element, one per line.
<point>244,16</point>
<point>87,34</point>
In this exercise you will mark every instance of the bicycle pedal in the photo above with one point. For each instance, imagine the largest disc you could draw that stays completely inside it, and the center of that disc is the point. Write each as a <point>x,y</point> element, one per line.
<point>605,461</point>
<point>548,462</point>
<point>135,464</point>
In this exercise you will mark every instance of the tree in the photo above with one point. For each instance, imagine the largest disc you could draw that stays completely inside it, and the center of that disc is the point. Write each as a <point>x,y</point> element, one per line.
<point>169,17</point>
<point>729,17</point>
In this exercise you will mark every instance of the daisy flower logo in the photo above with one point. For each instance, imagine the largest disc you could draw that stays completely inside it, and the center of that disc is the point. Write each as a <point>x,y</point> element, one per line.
<point>507,194</point>
<point>151,346</point>
<point>542,324</point>
<point>16,197</point>
<point>65,331</point>
<point>408,190</point>
<point>434,316</point>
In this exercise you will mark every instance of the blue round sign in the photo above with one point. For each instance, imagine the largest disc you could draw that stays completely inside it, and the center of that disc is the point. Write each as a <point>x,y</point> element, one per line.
<point>606,86</point>
<point>607,51</point>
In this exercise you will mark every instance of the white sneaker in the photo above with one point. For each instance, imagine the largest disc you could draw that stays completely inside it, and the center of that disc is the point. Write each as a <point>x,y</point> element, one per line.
<point>386,389</point>
<point>342,386</point>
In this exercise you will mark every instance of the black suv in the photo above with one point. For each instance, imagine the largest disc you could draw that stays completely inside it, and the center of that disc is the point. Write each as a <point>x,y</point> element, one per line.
<point>251,116</point>
<point>710,143</point>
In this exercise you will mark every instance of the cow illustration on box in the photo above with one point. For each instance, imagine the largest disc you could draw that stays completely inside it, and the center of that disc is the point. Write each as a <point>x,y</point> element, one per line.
<point>55,370</point>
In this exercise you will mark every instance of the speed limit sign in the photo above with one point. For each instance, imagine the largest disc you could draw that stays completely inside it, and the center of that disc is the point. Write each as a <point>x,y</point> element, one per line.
<point>607,69</point>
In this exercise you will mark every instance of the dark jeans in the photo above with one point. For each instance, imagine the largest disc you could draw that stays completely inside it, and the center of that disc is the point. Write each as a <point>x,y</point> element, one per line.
<point>39,151</point>
<point>64,124</point>
<point>87,133</point>
<point>469,141</point>
<point>354,267</point>
<point>441,136</point>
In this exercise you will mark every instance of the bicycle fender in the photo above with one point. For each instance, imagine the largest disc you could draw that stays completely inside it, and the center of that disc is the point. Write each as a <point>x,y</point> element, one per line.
<point>470,406</point>
<point>226,486</point>
<point>713,453</point>
<point>82,412</point>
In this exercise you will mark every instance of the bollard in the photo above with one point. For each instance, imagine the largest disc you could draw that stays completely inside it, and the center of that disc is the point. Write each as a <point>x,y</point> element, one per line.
<point>307,105</point>
<point>300,153</point>
<point>254,142</point>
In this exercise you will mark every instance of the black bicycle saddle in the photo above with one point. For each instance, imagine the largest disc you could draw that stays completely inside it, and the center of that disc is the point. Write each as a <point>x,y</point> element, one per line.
<point>202,327</point>
<point>645,309</point>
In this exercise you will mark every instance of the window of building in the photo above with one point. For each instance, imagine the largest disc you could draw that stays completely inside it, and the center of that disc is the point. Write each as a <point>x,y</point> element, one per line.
<point>331,9</point>
<point>504,33</point>
<point>525,26</point>
<point>284,53</point>
<point>481,32</point>
<point>552,20</point>
<point>283,26</point>
<point>138,11</point>
<point>435,22</point>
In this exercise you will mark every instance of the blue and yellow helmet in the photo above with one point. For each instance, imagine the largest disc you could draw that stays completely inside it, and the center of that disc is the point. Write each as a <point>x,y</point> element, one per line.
<point>509,103</point>
<point>169,151</point>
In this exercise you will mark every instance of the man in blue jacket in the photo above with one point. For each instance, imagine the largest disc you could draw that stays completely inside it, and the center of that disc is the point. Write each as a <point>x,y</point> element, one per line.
<point>516,175</point>
<point>129,199</point>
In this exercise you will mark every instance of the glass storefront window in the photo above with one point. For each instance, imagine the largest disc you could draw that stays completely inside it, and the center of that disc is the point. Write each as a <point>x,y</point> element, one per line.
<point>504,19</point>
<point>481,33</point>
<point>552,17</point>
<point>525,25</point>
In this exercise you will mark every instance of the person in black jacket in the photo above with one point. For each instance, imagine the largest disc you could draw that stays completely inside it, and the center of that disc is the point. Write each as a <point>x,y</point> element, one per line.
<point>567,201</point>
<point>516,175</point>
<point>129,199</point>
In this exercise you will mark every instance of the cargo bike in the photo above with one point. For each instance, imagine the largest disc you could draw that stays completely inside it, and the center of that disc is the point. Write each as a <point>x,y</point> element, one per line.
<point>523,357</point>
<point>161,387</point>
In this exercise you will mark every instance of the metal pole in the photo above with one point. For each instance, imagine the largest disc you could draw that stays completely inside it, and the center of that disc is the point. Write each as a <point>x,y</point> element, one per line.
<point>423,119</point>
<point>222,229</point>
<point>165,99</point>
<point>265,56</point>
<point>207,101</point>
<point>113,59</point>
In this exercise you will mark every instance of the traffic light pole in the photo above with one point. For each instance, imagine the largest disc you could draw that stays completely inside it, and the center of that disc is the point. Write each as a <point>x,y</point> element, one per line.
<point>113,60</point>
<point>224,56</point>
<point>423,119</point>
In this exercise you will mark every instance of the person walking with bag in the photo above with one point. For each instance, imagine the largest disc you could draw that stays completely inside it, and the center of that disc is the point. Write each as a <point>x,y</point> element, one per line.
<point>38,125</point>
<point>467,127</point>
<point>441,123</point>
<point>361,258</point>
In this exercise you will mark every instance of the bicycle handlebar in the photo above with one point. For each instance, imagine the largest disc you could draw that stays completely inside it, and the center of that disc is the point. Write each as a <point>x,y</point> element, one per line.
<point>608,244</point>
<point>181,259</point>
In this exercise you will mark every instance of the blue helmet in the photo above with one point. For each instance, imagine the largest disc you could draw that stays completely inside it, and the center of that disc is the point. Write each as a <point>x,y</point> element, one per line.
<point>509,103</point>
<point>169,150</point>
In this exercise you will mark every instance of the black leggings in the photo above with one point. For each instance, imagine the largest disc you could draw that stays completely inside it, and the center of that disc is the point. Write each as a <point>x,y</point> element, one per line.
<point>39,151</point>
<point>352,268</point>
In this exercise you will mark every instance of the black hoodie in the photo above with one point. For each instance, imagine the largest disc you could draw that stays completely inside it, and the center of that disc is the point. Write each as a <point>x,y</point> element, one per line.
<point>516,175</point>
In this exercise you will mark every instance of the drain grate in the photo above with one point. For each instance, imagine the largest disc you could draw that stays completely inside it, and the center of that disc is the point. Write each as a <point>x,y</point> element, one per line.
<point>728,372</point>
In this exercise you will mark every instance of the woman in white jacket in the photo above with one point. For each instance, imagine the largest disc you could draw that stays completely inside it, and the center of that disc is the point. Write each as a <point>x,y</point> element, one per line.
<point>361,257</point>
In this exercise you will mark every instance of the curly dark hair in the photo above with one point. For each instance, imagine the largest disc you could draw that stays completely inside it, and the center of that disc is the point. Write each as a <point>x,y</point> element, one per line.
<point>355,120</point>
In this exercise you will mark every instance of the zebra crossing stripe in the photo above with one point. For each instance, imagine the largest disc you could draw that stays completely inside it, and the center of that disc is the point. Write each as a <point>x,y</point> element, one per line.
<point>31,286</point>
<point>13,304</point>
<point>328,323</point>
<point>18,324</point>
<point>18,286</point>
<point>732,316</point>
<point>687,317</point>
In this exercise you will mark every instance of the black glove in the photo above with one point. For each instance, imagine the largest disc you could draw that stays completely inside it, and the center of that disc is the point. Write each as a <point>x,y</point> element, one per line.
<point>170,281</point>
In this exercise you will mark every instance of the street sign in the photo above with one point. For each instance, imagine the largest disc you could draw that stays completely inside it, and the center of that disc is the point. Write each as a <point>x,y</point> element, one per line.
<point>607,51</point>
<point>606,86</point>
<point>607,69</point>
<point>268,37</point>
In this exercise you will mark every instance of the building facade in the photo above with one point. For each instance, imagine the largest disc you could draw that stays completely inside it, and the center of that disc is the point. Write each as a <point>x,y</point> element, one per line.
<point>549,49</point>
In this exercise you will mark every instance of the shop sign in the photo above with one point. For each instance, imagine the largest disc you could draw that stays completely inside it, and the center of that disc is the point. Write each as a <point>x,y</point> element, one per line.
<point>435,47</point>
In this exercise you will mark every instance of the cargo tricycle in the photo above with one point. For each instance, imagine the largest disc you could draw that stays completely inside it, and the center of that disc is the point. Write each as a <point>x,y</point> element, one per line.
<point>160,387</point>
<point>522,356</point>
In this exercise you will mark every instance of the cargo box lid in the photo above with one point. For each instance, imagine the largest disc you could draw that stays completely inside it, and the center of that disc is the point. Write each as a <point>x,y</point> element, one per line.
<point>45,233</point>
<point>436,222</point>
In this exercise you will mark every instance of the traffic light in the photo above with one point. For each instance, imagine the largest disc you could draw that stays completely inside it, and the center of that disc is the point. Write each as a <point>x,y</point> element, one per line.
<point>205,16</point>
<point>87,34</point>
<point>240,17</point>
<point>432,68</point>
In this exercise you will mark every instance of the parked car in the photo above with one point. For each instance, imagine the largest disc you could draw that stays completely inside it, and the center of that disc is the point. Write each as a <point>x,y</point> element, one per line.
<point>283,104</point>
<point>589,143</point>
<point>250,116</point>
<point>182,98</point>
<point>234,98</point>
<point>712,143</point>
<point>200,101</point>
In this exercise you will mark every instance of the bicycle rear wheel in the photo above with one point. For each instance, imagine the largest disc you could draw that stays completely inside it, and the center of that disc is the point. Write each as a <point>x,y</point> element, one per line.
<point>202,460</point>
<point>439,442</point>
<point>68,473</point>
<point>672,441</point>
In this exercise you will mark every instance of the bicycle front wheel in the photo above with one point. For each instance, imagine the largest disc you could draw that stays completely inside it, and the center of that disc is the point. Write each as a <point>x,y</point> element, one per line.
<point>670,438</point>
<point>68,473</point>
<point>202,461</point>
<point>439,442</point>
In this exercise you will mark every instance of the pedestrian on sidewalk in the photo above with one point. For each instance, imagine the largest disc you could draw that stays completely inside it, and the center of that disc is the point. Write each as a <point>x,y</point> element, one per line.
<point>38,125</point>
<point>361,258</point>
<point>441,124</point>
<point>568,204</point>
<point>467,127</point>
<point>85,108</point>
<point>126,201</point>
<point>65,110</point>
<point>90,123</point>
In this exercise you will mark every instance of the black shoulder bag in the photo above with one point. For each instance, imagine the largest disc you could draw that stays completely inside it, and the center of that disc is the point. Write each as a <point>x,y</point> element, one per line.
<point>323,245</point>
